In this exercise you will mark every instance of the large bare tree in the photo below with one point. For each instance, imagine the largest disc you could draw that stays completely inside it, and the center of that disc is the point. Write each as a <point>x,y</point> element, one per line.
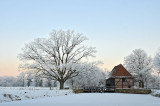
<point>56,57</point>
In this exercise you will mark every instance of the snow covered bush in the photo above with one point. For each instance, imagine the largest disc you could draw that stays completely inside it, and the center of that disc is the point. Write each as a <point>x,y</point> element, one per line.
<point>155,93</point>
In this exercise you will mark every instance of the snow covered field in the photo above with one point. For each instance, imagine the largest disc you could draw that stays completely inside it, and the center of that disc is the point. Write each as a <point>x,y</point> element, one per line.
<point>91,99</point>
<point>38,96</point>
<point>8,94</point>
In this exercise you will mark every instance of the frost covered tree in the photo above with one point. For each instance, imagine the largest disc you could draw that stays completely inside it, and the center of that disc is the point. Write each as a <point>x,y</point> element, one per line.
<point>37,80</point>
<point>21,79</point>
<point>7,81</point>
<point>153,81</point>
<point>139,64</point>
<point>156,62</point>
<point>29,78</point>
<point>56,57</point>
<point>90,75</point>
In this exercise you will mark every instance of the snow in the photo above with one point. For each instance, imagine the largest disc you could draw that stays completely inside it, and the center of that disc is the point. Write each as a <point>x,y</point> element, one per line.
<point>91,99</point>
<point>8,94</point>
<point>41,96</point>
<point>155,93</point>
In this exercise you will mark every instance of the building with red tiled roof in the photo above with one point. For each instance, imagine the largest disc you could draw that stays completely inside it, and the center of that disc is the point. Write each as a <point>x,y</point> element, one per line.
<point>120,78</point>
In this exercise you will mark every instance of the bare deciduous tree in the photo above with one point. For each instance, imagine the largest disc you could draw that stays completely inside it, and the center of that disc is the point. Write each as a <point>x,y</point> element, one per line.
<point>57,56</point>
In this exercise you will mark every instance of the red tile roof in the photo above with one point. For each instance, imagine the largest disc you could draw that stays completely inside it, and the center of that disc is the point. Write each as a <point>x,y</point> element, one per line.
<point>120,71</point>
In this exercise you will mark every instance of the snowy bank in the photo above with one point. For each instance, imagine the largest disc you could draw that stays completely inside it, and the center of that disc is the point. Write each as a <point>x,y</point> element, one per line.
<point>155,93</point>
<point>8,94</point>
<point>91,99</point>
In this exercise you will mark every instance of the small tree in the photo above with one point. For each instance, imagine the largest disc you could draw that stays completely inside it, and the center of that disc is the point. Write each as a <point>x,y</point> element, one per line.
<point>57,56</point>
<point>21,78</point>
<point>139,65</point>
<point>54,83</point>
<point>156,62</point>
<point>29,77</point>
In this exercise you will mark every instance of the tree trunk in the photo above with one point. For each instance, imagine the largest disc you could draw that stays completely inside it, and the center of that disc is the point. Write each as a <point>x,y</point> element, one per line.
<point>146,84</point>
<point>23,83</point>
<point>141,84</point>
<point>61,84</point>
<point>72,84</point>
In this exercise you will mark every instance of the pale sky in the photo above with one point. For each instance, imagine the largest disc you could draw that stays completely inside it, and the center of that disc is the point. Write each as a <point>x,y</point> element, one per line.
<point>114,27</point>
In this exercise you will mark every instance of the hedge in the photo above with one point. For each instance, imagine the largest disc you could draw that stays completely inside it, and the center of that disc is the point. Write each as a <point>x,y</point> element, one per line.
<point>134,91</point>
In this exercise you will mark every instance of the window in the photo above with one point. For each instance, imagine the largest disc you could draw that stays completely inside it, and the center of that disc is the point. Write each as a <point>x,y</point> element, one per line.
<point>123,79</point>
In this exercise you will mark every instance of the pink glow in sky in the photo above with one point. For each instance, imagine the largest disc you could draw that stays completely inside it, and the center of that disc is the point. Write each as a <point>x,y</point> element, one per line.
<point>114,27</point>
